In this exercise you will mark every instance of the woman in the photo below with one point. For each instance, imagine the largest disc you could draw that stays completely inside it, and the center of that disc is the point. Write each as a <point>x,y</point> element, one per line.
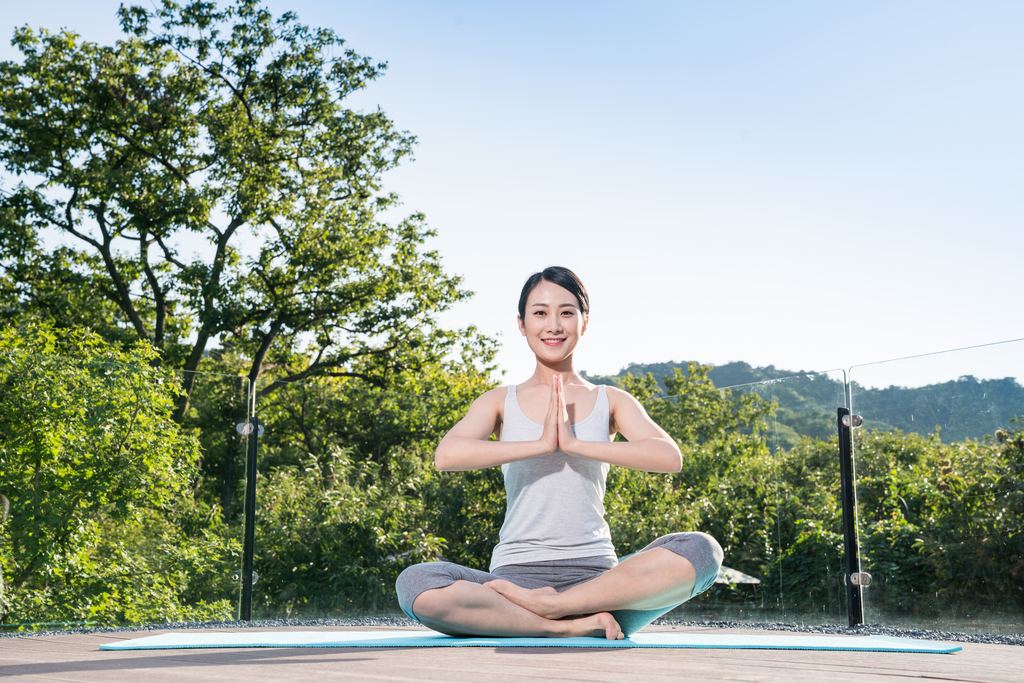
<point>554,572</point>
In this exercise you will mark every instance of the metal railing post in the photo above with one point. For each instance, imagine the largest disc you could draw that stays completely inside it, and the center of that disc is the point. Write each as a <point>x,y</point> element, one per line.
<point>249,535</point>
<point>855,579</point>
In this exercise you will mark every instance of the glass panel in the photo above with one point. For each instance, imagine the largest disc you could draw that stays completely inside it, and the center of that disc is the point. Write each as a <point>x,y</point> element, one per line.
<point>761,474</point>
<point>348,497</point>
<point>215,410</point>
<point>940,467</point>
<point>107,506</point>
<point>804,580</point>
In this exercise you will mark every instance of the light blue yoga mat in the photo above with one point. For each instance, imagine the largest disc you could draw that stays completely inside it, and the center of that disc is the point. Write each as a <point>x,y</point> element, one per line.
<point>220,639</point>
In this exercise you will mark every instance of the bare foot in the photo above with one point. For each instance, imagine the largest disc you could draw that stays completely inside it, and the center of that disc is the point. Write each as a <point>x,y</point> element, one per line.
<point>600,625</point>
<point>539,602</point>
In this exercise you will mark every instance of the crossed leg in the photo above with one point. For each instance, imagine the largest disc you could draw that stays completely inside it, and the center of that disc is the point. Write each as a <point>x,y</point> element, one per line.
<point>470,609</point>
<point>652,579</point>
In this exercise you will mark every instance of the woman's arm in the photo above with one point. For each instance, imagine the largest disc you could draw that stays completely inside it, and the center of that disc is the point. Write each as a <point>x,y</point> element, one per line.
<point>467,447</point>
<point>648,447</point>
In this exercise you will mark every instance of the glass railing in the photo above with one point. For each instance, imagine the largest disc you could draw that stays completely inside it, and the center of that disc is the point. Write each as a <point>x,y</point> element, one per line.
<point>349,497</point>
<point>100,464</point>
<point>214,409</point>
<point>940,474</point>
<point>759,474</point>
<point>347,494</point>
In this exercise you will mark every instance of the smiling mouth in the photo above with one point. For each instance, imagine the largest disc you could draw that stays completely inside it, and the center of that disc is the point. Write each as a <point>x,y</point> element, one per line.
<point>553,342</point>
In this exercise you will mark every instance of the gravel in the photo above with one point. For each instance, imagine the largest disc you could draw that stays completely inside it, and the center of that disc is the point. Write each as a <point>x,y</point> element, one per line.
<point>864,630</point>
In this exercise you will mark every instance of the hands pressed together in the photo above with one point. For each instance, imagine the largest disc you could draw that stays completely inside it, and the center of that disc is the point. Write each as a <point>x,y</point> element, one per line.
<point>558,434</point>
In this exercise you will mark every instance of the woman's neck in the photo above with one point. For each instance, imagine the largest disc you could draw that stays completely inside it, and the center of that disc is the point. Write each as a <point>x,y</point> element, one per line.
<point>545,371</point>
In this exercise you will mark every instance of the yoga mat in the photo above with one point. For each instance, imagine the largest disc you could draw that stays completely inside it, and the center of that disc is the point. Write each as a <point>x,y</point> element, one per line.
<point>221,639</point>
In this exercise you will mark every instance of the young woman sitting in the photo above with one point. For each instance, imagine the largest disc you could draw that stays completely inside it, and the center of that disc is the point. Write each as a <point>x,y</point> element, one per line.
<point>554,572</point>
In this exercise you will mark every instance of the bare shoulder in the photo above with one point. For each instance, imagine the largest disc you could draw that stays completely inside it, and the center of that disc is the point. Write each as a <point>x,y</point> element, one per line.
<point>492,399</point>
<point>484,417</point>
<point>627,416</point>
<point>620,398</point>
<point>490,406</point>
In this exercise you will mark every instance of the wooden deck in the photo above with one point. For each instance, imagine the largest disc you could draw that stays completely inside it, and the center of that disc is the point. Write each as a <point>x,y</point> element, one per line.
<point>77,658</point>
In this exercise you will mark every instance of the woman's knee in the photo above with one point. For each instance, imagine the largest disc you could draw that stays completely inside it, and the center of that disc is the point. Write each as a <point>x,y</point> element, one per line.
<point>418,578</point>
<point>701,550</point>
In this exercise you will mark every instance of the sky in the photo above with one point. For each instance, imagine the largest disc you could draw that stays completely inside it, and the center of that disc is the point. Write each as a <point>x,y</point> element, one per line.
<point>800,184</point>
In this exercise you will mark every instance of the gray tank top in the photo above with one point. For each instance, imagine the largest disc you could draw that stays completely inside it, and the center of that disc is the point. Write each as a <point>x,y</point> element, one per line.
<point>555,503</point>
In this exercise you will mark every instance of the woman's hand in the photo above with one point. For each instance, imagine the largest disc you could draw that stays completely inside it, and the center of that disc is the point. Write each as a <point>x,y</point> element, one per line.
<point>558,433</point>
<point>549,438</point>
<point>566,437</point>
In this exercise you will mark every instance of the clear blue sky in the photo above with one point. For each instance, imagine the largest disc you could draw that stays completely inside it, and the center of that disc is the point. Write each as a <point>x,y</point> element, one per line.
<point>811,185</point>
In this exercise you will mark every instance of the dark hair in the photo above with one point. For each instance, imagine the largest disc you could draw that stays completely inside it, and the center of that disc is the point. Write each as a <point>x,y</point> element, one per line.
<point>563,277</point>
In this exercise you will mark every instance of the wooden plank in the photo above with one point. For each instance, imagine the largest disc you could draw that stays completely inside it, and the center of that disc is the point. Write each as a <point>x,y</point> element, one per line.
<point>76,658</point>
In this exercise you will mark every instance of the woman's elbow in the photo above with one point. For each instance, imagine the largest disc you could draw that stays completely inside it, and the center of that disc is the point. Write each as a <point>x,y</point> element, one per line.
<point>675,459</point>
<point>670,466</point>
<point>444,459</point>
<point>441,460</point>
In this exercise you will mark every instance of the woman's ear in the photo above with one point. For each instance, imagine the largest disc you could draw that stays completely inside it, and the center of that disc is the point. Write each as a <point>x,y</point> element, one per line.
<point>586,319</point>
<point>522,327</point>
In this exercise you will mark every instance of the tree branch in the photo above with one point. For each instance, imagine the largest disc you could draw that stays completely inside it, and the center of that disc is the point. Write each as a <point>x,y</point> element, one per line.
<point>69,226</point>
<point>168,255</point>
<point>206,316</point>
<point>124,300</point>
<point>240,96</point>
<point>179,174</point>
<point>158,292</point>
<point>261,353</point>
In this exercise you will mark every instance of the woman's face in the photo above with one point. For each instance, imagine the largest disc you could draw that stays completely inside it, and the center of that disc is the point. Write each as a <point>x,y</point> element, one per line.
<point>554,322</point>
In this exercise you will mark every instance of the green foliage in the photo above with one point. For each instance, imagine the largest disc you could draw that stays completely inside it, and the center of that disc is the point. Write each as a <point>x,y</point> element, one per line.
<point>726,486</point>
<point>352,496</point>
<point>467,509</point>
<point>334,539</point>
<point>809,572</point>
<point>965,408</point>
<point>217,125</point>
<point>945,521</point>
<point>639,507</point>
<point>693,411</point>
<point>91,462</point>
<point>941,524</point>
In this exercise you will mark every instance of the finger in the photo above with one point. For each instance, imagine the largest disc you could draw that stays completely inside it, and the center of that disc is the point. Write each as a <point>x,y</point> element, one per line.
<point>561,395</point>
<point>553,402</point>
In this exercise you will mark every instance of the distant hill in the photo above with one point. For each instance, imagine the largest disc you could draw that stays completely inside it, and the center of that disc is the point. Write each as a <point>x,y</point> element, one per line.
<point>730,374</point>
<point>963,408</point>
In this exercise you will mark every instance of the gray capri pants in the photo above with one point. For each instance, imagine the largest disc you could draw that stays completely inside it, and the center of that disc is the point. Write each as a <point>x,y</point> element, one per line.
<point>702,551</point>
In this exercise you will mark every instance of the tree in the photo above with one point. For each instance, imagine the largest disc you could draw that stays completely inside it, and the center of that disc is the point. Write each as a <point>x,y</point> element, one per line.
<point>226,127</point>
